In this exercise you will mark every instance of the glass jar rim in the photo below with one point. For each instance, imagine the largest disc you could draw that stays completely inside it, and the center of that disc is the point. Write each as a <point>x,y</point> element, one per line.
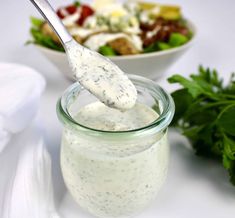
<point>158,125</point>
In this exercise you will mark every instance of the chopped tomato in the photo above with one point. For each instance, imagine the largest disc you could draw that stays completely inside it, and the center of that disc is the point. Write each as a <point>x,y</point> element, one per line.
<point>65,11</point>
<point>71,9</point>
<point>60,13</point>
<point>86,11</point>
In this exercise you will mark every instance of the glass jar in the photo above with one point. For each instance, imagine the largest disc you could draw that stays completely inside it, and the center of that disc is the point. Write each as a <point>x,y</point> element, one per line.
<point>115,174</point>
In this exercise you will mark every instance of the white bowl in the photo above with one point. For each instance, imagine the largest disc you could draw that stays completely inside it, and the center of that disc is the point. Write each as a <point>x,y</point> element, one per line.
<point>151,65</point>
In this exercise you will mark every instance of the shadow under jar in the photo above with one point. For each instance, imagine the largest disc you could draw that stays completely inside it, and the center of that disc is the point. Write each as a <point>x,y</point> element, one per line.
<point>115,173</point>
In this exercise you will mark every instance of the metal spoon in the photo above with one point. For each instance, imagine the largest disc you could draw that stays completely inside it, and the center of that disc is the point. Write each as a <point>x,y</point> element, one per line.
<point>94,72</point>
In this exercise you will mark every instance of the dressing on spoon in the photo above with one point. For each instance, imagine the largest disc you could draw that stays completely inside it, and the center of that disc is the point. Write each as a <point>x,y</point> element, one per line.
<point>94,72</point>
<point>102,78</point>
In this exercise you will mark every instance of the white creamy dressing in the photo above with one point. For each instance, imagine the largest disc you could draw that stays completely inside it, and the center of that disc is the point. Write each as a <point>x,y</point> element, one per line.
<point>98,116</point>
<point>90,22</point>
<point>64,12</point>
<point>135,29</point>
<point>96,41</point>
<point>156,10</point>
<point>150,34</point>
<point>145,18</point>
<point>101,77</point>
<point>71,19</point>
<point>114,177</point>
<point>137,42</point>
<point>82,32</point>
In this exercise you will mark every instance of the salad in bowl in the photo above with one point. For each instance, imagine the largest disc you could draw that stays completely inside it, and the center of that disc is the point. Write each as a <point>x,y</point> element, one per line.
<point>116,29</point>
<point>140,37</point>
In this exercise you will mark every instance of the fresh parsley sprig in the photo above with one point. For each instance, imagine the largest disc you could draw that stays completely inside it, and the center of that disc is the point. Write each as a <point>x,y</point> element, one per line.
<point>205,112</point>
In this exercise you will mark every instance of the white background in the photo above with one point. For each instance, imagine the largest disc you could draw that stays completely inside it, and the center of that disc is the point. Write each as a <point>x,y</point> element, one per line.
<point>195,187</point>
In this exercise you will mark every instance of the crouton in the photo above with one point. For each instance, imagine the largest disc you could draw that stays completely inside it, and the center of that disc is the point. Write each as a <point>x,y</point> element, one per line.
<point>123,46</point>
<point>48,31</point>
<point>78,39</point>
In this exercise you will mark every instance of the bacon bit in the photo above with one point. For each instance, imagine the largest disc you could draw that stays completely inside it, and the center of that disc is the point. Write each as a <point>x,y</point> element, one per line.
<point>165,28</point>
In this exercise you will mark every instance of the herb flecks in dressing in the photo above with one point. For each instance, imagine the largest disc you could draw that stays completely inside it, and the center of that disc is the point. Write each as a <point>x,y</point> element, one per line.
<point>114,176</point>
<point>106,81</point>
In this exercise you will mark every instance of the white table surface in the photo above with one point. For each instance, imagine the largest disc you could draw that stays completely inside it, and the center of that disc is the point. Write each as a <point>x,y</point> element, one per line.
<point>195,187</point>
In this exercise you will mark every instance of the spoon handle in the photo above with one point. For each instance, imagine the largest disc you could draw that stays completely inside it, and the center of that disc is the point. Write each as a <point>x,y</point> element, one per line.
<point>49,14</point>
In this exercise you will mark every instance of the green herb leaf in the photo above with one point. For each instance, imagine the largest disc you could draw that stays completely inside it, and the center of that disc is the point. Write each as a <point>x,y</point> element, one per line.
<point>36,22</point>
<point>182,101</point>
<point>193,87</point>
<point>177,39</point>
<point>205,113</point>
<point>107,51</point>
<point>151,48</point>
<point>227,163</point>
<point>163,46</point>
<point>43,40</point>
<point>229,147</point>
<point>77,3</point>
<point>39,38</point>
<point>226,120</point>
